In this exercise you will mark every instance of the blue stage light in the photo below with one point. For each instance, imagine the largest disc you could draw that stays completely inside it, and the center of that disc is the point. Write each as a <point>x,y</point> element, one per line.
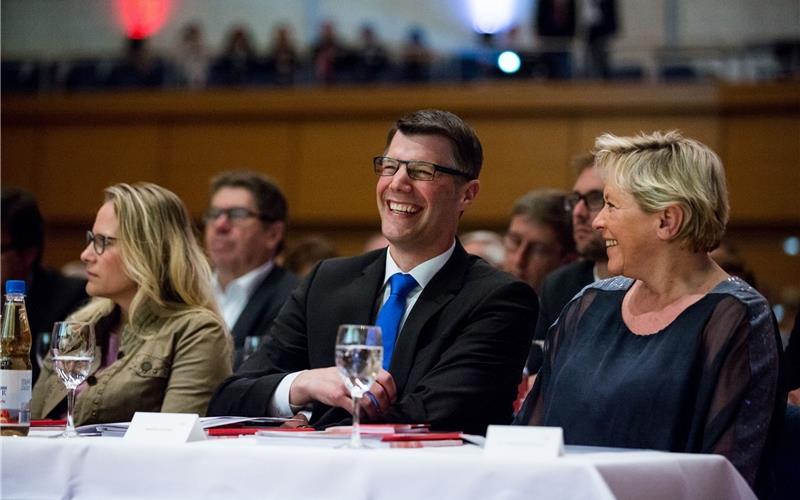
<point>509,62</point>
<point>791,246</point>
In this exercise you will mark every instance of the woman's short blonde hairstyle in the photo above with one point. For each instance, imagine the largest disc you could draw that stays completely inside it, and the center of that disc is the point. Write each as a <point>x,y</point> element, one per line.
<point>665,168</point>
<point>159,252</point>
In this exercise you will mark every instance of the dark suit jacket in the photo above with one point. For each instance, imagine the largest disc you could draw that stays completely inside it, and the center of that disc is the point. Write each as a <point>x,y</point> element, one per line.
<point>51,297</point>
<point>262,308</point>
<point>558,288</point>
<point>458,358</point>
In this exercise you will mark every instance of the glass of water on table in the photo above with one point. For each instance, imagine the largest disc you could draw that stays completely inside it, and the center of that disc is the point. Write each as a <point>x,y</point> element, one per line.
<point>72,352</point>
<point>359,357</point>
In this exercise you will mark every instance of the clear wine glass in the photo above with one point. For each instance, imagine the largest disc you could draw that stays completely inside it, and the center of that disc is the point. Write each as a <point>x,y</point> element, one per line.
<point>72,347</point>
<point>359,357</point>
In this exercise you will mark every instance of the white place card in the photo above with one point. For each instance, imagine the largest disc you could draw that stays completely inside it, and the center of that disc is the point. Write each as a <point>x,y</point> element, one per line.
<point>531,441</point>
<point>171,428</point>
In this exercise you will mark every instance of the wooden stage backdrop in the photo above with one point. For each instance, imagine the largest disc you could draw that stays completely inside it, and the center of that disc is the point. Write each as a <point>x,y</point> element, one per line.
<point>317,144</point>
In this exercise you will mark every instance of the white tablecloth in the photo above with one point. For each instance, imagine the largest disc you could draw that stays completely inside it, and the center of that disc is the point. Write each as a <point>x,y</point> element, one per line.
<point>96,467</point>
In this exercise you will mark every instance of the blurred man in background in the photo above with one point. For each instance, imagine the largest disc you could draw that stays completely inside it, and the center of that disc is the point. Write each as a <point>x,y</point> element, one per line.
<point>245,228</point>
<point>539,237</point>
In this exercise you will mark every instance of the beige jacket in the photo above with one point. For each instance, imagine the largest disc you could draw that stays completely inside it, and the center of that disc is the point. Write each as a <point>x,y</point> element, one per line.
<point>167,362</point>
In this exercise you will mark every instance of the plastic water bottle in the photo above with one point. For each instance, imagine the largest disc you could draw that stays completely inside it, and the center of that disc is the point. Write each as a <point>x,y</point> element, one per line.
<point>15,363</point>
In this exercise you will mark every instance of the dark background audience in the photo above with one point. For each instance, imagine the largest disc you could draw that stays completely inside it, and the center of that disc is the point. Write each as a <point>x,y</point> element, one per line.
<point>570,39</point>
<point>51,296</point>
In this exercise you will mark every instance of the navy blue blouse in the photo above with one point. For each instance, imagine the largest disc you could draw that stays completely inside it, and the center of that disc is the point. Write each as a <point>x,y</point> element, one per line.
<point>706,383</point>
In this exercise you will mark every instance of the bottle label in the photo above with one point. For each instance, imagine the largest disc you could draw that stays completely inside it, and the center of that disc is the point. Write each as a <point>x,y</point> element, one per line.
<point>15,398</point>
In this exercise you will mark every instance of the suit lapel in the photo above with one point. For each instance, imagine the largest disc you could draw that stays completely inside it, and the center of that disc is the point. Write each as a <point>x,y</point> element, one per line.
<point>366,288</point>
<point>360,295</point>
<point>261,296</point>
<point>352,303</point>
<point>441,290</point>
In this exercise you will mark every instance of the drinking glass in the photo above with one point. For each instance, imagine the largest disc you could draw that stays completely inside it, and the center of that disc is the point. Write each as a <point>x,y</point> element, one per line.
<point>72,347</point>
<point>359,357</point>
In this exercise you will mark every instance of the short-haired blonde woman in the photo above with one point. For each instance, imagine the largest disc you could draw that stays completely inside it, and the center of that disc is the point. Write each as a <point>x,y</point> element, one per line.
<point>161,343</point>
<point>672,354</point>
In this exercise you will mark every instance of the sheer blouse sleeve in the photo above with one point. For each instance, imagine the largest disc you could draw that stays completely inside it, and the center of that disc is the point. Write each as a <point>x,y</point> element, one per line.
<point>738,384</point>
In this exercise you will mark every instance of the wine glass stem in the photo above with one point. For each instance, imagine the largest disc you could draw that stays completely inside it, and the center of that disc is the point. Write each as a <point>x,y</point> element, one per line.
<point>355,436</point>
<point>70,430</point>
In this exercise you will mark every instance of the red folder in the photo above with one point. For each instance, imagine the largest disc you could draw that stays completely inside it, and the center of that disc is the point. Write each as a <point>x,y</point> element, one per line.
<point>48,423</point>
<point>422,436</point>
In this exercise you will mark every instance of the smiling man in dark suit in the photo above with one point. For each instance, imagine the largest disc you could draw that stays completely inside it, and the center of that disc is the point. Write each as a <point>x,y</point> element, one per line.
<point>245,227</point>
<point>465,329</point>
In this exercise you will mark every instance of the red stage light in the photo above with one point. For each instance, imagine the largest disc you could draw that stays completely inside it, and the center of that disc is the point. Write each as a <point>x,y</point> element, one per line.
<point>143,18</point>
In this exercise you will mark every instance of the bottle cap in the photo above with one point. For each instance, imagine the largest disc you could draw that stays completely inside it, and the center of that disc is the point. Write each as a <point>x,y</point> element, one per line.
<point>15,286</point>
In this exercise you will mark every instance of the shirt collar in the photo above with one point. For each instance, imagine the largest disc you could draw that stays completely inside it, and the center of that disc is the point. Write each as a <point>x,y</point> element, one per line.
<point>246,282</point>
<point>424,272</point>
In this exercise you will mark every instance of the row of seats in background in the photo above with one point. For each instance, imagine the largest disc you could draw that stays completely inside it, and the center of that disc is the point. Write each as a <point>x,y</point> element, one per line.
<point>91,73</point>
<point>139,69</point>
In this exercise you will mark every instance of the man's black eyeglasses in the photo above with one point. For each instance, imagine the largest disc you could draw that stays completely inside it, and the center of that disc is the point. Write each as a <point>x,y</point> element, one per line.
<point>417,170</point>
<point>99,241</point>
<point>233,214</point>
<point>593,200</point>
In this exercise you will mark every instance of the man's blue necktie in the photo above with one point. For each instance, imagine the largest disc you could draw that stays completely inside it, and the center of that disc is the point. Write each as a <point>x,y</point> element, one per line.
<point>392,312</point>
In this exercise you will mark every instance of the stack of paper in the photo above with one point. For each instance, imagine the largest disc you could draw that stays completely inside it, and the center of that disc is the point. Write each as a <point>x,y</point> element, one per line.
<point>373,435</point>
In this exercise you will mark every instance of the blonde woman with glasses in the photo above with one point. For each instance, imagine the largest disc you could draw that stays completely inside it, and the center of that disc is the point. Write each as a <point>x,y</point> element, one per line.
<point>161,345</point>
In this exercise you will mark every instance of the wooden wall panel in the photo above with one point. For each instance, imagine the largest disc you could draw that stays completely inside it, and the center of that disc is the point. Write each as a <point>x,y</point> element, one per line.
<point>19,157</point>
<point>78,162</point>
<point>318,143</point>
<point>65,242</point>
<point>762,160</point>
<point>334,176</point>
<point>195,153</point>
<point>519,155</point>
<point>703,128</point>
<point>777,273</point>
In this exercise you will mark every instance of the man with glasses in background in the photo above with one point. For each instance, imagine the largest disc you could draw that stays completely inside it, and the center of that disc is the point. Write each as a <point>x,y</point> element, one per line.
<point>245,225</point>
<point>584,203</point>
<point>539,237</point>
<point>460,329</point>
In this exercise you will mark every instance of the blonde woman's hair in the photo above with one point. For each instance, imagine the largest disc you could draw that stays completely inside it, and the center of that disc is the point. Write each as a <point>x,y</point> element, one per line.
<point>665,168</point>
<point>159,252</point>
